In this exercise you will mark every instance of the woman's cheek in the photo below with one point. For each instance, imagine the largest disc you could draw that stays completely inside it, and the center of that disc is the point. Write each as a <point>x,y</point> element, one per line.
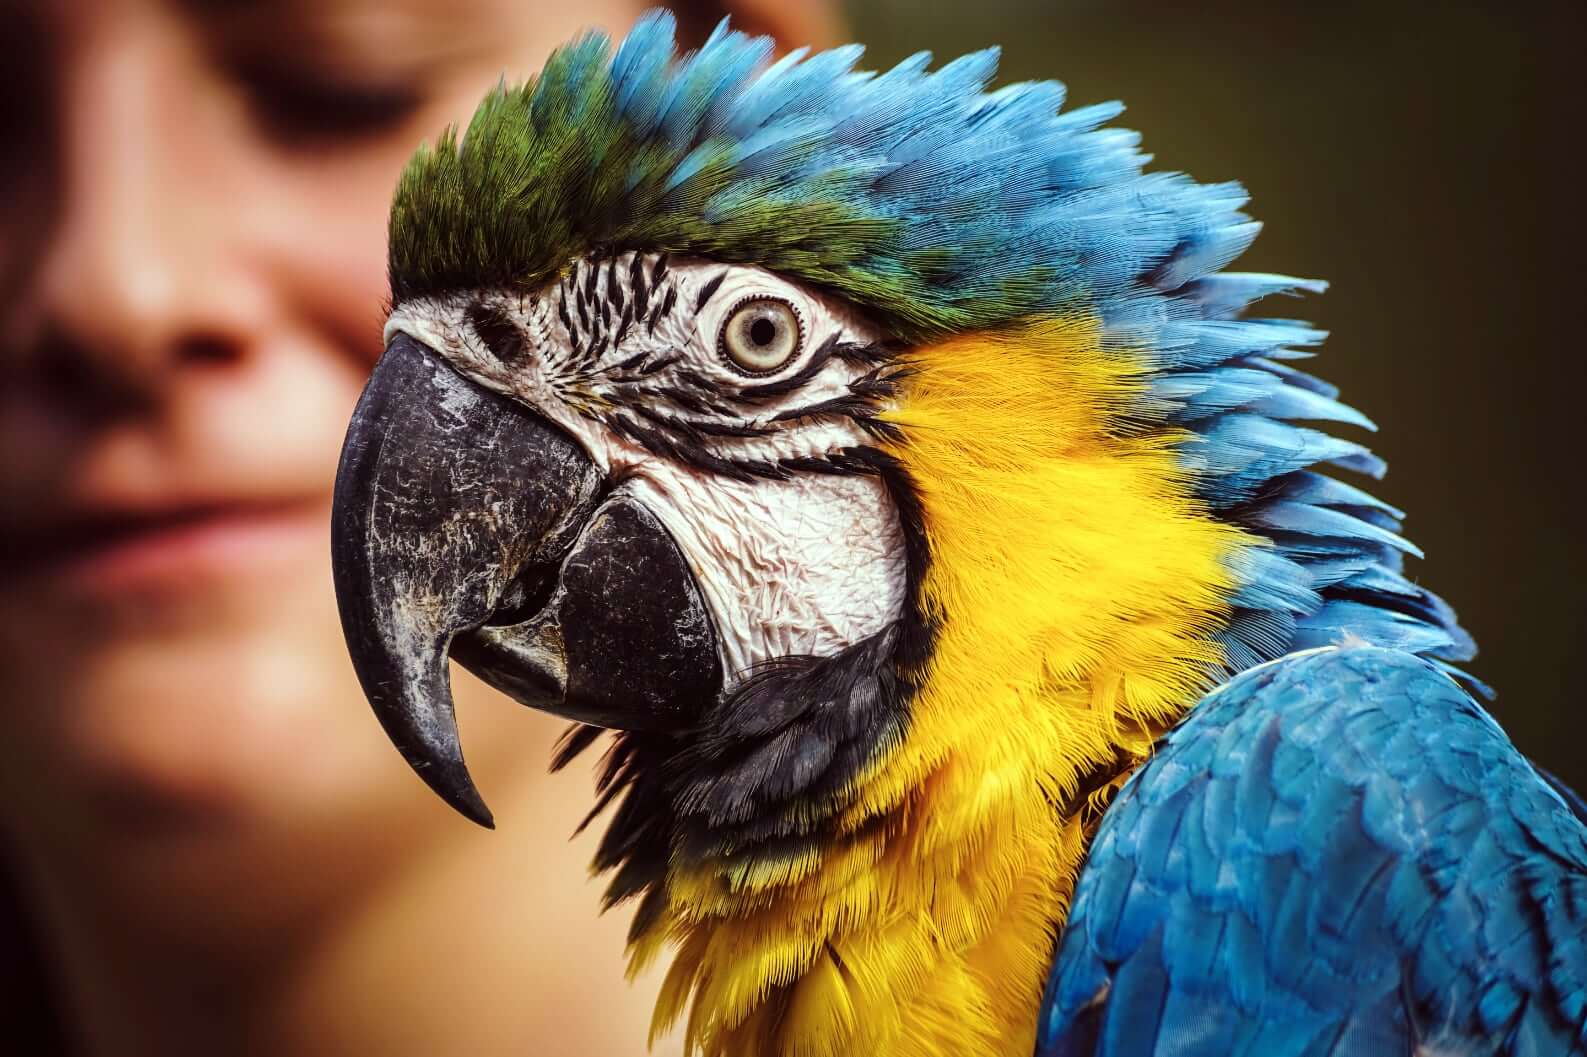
<point>324,241</point>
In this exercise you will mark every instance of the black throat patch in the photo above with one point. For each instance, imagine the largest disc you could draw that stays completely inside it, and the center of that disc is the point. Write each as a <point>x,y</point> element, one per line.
<point>771,767</point>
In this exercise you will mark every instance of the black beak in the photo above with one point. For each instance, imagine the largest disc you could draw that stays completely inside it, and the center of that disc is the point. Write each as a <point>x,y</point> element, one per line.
<point>466,524</point>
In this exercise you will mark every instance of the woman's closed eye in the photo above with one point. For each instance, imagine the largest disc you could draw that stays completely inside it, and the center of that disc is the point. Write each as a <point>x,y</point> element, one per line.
<point>305,107</point>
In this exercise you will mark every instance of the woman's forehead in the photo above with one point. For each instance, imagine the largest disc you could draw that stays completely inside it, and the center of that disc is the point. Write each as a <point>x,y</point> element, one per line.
<point>422,32</point>
<point>354,36</point>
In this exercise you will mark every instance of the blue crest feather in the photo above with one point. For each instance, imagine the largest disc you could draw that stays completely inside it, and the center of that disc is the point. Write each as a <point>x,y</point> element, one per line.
<point>941,207</point>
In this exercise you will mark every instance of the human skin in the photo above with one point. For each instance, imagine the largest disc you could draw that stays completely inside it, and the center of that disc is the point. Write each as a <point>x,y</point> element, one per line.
<point>222,852</point>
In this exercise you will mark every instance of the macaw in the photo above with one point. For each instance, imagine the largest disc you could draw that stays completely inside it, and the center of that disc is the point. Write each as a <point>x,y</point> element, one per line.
<point>994,661</point>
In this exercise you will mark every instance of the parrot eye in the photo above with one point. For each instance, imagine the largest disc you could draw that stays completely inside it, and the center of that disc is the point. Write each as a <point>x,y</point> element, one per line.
<point>760,335</point>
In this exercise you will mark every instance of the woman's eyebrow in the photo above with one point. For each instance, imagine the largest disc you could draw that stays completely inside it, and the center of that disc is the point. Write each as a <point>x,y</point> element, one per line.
<point>378,38</point>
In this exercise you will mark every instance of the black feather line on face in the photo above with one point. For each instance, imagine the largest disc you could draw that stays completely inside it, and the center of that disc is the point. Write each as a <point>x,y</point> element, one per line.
<point>614,291</point>
<point>850,406</point>
<point>584,316</point>
<point>797,380</point>
<point>664,309</point>
<point>814,464</point>
<point>708,290</point>
<point>562,312</point>
<point>687,401</point>
<point>656,366</point>
<point>688,452</point>
<point>689,376</point>
<point>856,409</point>
<point>771,768</point>
<point>679,427</point>
<point>719,428</point>
<point>624,321</point>
<point>876,354</point>
<point>636,283</point>
<point>861,405</point>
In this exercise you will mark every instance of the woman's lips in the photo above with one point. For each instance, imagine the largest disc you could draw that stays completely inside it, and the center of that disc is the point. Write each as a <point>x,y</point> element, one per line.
<point>173,548</point>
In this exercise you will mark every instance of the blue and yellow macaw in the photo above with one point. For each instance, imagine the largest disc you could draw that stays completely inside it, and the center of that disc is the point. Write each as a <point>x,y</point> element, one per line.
<point>997,665</point>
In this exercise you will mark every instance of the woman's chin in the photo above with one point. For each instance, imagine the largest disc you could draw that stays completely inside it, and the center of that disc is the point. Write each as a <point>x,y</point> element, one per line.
<point>223,739</point>
<point>171,707</point>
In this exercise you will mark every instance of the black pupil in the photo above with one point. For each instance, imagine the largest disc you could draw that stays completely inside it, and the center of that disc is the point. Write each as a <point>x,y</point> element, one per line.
<point>763,331</point>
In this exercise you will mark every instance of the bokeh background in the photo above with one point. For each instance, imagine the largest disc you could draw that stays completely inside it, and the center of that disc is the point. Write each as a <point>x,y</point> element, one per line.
<point>1424,157</point>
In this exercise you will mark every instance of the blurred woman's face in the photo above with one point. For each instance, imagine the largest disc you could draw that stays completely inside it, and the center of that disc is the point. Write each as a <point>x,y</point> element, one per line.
<point>192,231</point>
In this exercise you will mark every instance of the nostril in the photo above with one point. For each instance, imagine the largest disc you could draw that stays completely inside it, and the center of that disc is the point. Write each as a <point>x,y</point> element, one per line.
<point>63,375</point>
<point>69,374</point>
<point>208,349</point>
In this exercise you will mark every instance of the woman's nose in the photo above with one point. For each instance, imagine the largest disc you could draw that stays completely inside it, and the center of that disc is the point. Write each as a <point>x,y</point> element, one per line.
<point>135,277</point>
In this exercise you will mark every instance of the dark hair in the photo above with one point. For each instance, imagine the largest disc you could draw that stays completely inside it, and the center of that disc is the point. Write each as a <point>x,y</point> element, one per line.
<point>30,1020</point>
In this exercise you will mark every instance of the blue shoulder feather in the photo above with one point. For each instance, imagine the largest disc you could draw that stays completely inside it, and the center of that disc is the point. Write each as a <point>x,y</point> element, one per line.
<point>1338,853</point>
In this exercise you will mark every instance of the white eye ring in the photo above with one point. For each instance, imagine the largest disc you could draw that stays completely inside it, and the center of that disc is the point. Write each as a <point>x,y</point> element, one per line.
<point>760,335</point>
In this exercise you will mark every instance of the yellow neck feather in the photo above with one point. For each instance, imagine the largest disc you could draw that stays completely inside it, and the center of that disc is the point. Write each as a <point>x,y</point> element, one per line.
<point>1075,585</point>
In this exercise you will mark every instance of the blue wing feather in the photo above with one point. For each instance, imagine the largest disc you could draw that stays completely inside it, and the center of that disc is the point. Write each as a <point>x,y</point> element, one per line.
<point>1336,854</point>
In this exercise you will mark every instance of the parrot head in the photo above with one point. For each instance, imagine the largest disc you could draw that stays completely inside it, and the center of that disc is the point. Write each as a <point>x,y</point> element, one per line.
<point>618,497</point>
<point>884,459</point>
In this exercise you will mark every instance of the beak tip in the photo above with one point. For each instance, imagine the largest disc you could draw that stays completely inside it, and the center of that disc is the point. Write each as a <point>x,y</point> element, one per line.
<point>456,787</point>
<point>480,815</point>
<point>472,807</point>
<point>464,798</point>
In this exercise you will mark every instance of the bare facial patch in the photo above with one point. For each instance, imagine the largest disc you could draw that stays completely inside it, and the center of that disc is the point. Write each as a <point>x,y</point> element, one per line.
<point>725,400</point>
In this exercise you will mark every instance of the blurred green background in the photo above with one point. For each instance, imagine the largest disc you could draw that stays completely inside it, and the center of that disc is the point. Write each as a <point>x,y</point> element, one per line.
<point>1422,157</point>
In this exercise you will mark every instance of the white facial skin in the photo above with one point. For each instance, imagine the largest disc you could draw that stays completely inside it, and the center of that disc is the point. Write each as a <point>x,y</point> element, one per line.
<point>804,565</point>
